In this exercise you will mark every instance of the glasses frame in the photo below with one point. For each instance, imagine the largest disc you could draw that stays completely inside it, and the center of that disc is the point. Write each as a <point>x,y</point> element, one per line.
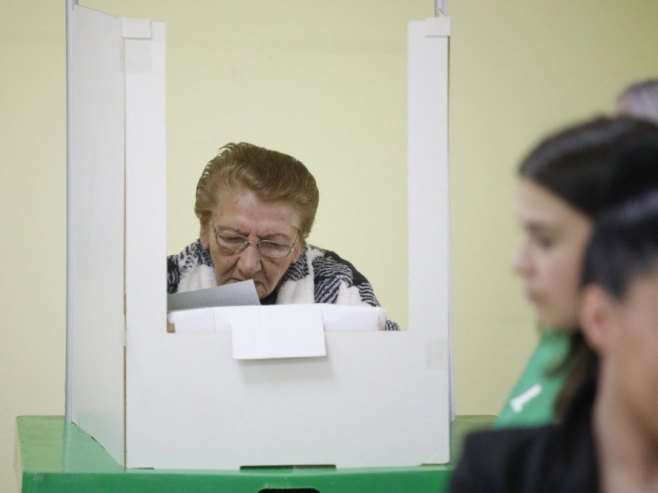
<point>258,244</point>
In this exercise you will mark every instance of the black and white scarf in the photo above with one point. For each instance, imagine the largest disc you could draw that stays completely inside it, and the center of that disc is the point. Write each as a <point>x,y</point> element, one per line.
<point>318,276</point>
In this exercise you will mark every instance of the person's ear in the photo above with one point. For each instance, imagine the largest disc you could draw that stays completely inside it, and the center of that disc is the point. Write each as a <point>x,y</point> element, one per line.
<point>203,236</point>
<point>597,312</point>
<point>297,250</point>
<point>296,253</point>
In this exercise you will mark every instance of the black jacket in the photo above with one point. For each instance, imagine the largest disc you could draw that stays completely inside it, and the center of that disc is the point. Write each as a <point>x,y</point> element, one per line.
<point>552,459</point>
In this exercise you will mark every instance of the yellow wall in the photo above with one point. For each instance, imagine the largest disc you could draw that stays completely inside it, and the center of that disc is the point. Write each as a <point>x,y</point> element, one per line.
<point>518,69</point>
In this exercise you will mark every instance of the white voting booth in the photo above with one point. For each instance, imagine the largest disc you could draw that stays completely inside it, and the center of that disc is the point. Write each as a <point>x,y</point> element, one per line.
<point>158,399</point>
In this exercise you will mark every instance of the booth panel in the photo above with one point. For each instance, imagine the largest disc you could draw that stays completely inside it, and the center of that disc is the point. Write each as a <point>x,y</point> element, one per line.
<point>378,399</point>
<point>184,402</point>
<point>146,210</point>
<point>95,241</point>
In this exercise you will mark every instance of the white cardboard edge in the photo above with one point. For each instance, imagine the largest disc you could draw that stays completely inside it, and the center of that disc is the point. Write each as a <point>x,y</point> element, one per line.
<point>136,28</point>
<point>437,26</point>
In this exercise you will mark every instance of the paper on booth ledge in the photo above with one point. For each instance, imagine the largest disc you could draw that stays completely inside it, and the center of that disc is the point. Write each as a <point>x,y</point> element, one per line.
<point>344,318</point>
<point>196,321</point>
<point>352,318</point>
<point>277,331</point>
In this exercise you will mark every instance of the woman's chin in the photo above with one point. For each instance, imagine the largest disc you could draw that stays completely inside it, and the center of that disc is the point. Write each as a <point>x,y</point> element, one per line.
<point>260,290</point>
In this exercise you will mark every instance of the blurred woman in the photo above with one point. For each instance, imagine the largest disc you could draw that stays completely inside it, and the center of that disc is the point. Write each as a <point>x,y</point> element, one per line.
<point>608,439</point>
<point>565,182</point>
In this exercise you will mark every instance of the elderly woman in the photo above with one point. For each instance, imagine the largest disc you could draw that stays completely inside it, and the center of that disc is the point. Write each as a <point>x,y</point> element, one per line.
<point>256,208</point>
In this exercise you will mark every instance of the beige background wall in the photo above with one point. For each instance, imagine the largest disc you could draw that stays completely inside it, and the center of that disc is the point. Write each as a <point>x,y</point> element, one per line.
<point>240,70</point>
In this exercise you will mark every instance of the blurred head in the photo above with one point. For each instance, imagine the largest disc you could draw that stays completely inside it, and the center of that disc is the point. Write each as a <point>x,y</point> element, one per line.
<point>619,307</point>
<point>640,100</point>
<point>256,208</point>
<point>566,181</point>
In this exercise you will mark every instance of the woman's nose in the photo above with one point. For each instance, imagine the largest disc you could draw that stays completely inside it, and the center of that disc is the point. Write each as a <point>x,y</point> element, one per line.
<point>521,262</point>
<point>249,262</point>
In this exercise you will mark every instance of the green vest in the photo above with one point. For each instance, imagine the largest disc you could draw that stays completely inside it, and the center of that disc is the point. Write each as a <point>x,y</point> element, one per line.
<point>531,401</point>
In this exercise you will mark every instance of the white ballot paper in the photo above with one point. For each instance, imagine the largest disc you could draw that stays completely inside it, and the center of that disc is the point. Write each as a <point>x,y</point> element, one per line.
<point>278,331</point>
<point>233,294</point>
<point>346,318</point>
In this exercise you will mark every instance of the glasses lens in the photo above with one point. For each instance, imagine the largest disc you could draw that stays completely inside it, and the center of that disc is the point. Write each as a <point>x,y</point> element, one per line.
<point>273,249</point>
<point>231,242</point>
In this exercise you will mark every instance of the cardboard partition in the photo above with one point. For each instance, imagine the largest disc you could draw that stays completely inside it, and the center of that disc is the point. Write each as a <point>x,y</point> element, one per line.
<point>375,400</point>
<point>154,398</point>
<point>95,235</point>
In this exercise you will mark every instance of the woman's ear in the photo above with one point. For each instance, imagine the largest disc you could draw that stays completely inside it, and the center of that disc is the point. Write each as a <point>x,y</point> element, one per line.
<point>296,253</point>
<point>203,236</point>
<point>597,312</point>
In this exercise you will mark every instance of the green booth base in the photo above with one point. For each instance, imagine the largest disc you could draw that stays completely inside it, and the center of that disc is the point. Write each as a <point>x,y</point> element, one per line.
<point>56,457</point>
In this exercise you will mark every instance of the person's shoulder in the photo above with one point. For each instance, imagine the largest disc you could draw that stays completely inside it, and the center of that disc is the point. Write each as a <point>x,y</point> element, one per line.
<point>315,252</point>
<point>505,460</point>
<point>327,263</point>
<point>193,254</point>
<point>191,259</point>
<point>321,254</point>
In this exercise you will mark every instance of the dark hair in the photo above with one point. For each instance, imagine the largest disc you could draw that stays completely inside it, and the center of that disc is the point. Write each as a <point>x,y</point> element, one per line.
<point>623,246</point>
<point>596,164</point>
<point>593,166</point>
<point>271,175</point>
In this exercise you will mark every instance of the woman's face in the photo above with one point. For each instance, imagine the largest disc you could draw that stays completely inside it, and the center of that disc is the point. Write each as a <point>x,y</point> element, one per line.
<point>625,335</point>
<point>241,213</point>
<point>550,252</point>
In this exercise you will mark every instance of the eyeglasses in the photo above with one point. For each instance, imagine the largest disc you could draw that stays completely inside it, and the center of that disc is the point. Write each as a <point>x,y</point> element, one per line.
<point>233,243</point>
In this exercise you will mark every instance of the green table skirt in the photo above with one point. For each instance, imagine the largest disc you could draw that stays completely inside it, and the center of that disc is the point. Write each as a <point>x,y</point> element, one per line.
<point>55,457</point>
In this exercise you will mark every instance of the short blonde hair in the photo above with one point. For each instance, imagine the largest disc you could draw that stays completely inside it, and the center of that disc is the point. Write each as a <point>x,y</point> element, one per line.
<point>272,176</point>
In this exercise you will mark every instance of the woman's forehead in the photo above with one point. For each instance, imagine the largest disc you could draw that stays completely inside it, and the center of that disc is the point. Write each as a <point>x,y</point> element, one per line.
<point>244,210</point>
<point>538,206</point>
